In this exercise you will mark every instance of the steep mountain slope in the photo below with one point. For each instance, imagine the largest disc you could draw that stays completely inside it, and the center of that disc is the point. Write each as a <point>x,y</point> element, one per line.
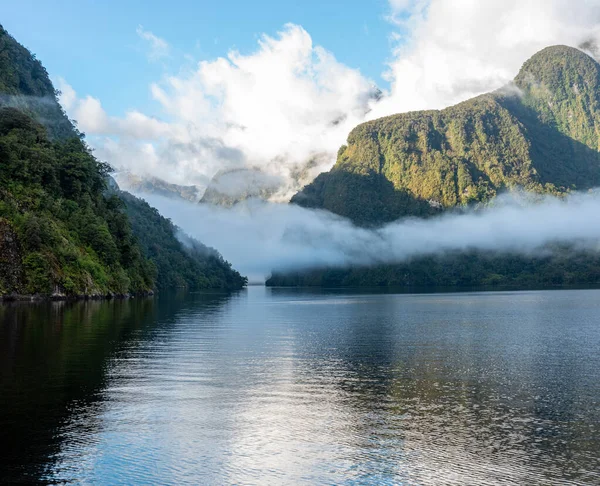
<point>62,230</point>
<point>65,235</point>
<point>180,261</point>
<point>561,85</point>
<point>24,84</point>
<point>542,134</point>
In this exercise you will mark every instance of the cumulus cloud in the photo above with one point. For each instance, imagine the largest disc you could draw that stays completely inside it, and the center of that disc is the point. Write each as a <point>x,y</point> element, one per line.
<point>288,237</point>
<point>157,48</point>
<point>450,50</point>
<point>280,106</point>
<point>93,119</point>
<point>68,96</point>
<point>284,108</point>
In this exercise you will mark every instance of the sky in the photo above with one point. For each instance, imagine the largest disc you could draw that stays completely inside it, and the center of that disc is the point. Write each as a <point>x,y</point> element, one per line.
<point>186,90</point>
<point>95,45</point>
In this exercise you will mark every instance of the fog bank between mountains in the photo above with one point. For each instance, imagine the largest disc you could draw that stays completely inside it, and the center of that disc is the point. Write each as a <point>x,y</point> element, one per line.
<point>259,237</point>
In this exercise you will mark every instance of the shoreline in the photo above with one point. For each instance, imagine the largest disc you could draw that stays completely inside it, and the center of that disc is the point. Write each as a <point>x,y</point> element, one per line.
<point>63,297</point>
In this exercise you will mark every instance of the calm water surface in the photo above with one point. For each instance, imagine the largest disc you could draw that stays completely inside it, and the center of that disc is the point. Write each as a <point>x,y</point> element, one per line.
<point>273,386</point>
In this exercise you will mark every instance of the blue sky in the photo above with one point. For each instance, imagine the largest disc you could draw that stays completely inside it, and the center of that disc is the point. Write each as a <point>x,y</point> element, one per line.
<point>94,45</point>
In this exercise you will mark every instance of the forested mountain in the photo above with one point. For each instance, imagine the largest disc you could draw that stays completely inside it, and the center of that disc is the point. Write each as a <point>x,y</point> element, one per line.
<point>180,261</point>
<point>62,230</point>
<point>541,134</point>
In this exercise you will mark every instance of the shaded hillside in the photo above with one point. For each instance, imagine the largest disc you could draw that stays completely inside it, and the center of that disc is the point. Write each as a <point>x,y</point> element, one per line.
<point>365,198</point>
<point>62,231</point>
<point>543,138</point>
<point>181,261</point>
<point>560,265</point>
<point>24,84</point>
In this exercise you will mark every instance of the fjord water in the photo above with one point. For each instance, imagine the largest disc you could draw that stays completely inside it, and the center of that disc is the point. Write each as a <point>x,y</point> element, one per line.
<point>274,386</point>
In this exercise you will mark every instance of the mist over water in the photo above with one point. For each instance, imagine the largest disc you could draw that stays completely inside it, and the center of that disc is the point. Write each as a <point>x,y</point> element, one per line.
<point>259,237</point>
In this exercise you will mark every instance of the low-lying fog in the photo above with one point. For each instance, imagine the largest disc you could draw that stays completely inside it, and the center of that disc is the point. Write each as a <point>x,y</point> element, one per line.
<point>258,237</point>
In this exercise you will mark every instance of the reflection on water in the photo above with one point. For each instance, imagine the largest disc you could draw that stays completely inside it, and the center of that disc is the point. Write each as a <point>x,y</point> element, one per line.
<point>272,386</point>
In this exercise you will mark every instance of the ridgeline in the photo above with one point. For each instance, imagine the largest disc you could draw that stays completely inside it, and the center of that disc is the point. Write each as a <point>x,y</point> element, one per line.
<point>63,231</point>
<point>541,133</point>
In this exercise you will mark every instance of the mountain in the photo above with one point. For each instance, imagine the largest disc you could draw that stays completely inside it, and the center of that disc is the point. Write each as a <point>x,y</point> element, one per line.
<point>155,186</point>
<point>275,182</point>
<point>64,230</point>
<point>540,133</point>
<point>180,260</point>
<point>230,187</point>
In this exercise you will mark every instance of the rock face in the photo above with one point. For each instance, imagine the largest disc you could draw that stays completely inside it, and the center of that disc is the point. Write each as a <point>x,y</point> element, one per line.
<point>11,269</point>
<point>542,133</point>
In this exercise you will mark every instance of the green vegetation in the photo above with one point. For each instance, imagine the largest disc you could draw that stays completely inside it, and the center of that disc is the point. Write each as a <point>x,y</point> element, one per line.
<point>367,199</point>
<point>561,86</point>
<point>542,134</point>
<point>545,141</point>
<point>182,261</point>
<point>555,266</point>
<point>73,239</point>
<point>62,231</point>
<point>24,84</point>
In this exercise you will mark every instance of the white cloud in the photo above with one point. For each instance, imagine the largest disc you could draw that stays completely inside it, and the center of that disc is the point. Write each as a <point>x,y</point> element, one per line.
<point>456,49</point>
<point>91,116</point>
<point>68,96</point>
<point>92,119</point>
<point>276,108</point>
<point>158,48</point>
<point>280,101</point>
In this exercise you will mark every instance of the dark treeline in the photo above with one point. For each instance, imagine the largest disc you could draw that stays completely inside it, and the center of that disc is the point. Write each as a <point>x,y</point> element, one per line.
<point>554,266</point>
